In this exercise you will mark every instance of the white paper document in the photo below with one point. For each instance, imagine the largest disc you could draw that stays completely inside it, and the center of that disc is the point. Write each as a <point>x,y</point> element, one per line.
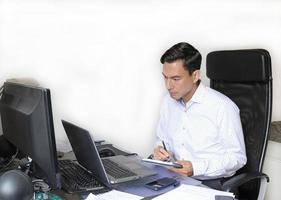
<point>192,192</point>
<point>92,197</point>
<point>117,195</point>
<point>114,195</point>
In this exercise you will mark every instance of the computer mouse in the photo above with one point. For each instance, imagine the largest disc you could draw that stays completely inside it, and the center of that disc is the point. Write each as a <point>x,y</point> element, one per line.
<point>15,185</point>
<point>106,152</point>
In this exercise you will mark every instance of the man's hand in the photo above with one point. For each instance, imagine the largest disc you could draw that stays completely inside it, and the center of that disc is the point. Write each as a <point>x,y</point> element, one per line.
<point>161,154</point>
<point>186,169</point>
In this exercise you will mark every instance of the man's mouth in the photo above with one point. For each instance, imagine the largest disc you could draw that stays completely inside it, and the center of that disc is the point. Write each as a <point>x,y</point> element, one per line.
<point>173,93</point>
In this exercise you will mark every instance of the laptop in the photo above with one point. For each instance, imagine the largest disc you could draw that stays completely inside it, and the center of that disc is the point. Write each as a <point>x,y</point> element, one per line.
<point>109,170</point>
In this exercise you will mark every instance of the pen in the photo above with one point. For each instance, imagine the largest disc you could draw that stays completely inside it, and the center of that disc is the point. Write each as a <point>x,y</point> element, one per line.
<point>164,146</point>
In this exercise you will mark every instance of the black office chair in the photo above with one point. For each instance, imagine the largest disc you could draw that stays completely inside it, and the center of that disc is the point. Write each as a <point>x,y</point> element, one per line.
<point>245,77</point>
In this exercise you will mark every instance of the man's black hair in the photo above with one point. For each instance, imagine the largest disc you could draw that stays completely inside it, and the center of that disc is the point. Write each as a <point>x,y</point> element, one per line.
<point>190,56</point>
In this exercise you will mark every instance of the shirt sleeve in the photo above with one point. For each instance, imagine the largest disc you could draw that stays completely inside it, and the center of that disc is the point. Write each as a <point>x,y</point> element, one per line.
<point>231,136</point>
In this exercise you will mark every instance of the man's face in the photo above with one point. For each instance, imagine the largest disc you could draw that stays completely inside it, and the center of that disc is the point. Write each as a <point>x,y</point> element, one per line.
<point>179,83</point>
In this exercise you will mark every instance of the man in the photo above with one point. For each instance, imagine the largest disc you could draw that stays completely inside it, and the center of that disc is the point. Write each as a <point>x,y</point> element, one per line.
<point>199,127</point>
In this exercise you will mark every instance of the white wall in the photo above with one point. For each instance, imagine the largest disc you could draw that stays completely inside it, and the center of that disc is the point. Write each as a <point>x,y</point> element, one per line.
<point>101,58</point>
<point>272,166</point>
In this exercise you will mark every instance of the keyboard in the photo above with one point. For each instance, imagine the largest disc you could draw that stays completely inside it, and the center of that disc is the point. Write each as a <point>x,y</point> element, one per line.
<point>116,171</point>
<point>75,179</point>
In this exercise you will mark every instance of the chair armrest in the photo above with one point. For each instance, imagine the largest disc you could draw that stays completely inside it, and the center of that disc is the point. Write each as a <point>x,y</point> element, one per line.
<point>236,181</point>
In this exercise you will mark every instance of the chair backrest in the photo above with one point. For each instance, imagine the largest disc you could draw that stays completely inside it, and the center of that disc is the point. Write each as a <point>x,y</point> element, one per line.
<point>245,77</point>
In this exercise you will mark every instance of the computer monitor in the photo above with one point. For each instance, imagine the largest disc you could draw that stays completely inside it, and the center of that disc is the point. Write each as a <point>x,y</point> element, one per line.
<point>27,122</point>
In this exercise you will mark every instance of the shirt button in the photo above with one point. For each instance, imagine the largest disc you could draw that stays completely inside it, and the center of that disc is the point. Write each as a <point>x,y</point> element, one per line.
<point>183,128</point>
<point>182,144</point>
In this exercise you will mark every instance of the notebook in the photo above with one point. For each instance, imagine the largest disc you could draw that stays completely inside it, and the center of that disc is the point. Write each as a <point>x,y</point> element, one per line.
<point>109,170</point>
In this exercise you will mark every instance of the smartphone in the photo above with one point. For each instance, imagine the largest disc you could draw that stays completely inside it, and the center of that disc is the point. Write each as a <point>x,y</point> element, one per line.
<point>161,183</point>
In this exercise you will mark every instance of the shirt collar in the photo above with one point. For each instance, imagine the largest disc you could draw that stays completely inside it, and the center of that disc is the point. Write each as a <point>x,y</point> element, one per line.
<point>199,94</point>
<point>197,97</point>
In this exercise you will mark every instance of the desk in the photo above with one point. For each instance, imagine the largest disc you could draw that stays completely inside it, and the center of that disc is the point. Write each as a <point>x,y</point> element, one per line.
<point>137,187</point>
<point>134,187</point>
<point>67,196</point>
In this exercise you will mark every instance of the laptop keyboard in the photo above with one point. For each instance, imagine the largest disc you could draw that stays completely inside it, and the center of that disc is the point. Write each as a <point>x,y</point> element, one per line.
<point>75,179</point>
<point>116,171</point>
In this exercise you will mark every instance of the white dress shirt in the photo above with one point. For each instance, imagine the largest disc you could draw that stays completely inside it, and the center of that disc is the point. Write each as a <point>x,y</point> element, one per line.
<point>206,131</point>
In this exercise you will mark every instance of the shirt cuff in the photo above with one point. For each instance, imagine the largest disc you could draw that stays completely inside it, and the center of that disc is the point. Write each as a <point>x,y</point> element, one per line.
<point>199,167</point>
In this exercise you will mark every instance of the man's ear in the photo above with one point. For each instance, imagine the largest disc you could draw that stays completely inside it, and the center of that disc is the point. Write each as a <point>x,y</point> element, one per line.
<point>196,75</point>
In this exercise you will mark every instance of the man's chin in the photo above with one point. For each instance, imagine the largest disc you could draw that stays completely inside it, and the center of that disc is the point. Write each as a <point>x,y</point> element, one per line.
<point>174,96</point>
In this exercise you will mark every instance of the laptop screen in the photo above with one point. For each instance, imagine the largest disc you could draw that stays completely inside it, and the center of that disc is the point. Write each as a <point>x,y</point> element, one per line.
<point>85,150</point>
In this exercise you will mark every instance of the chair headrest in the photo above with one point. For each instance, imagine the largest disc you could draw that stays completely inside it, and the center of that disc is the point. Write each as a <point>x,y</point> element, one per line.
<point>249,65</point>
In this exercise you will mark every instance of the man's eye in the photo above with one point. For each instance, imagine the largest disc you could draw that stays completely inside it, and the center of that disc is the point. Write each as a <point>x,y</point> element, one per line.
<point>176,79</point>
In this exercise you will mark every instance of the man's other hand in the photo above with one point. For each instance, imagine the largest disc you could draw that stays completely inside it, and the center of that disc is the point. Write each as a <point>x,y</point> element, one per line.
<point>186,169</point>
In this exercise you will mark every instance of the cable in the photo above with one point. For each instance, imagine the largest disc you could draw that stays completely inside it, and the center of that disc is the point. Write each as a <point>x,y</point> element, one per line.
<point>11,160</point>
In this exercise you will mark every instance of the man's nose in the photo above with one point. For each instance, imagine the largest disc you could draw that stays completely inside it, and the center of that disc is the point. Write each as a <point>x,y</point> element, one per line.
<point>168,84</point>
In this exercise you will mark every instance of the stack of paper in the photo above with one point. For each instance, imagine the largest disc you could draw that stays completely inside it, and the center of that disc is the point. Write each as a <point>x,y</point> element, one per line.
<point>114,195</point>
<point>192,192</point>
<point>92,197</point>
